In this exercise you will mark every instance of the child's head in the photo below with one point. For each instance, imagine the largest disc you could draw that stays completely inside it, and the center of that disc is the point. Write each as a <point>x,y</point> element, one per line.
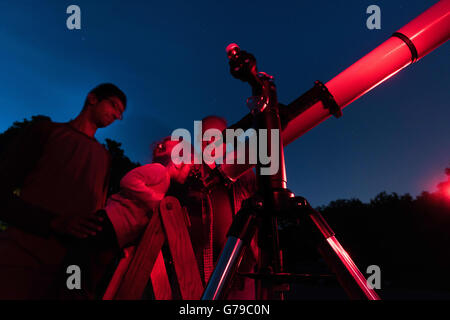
<point>162,153</point>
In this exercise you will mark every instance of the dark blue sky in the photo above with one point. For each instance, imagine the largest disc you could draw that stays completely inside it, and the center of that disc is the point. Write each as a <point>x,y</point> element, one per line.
<point>169,57</point>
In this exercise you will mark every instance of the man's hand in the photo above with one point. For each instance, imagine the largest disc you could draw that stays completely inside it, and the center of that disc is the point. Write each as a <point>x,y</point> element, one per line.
<point>79,226</point>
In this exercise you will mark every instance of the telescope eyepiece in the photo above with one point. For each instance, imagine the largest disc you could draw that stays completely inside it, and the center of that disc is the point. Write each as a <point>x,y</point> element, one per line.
<point>233,51</point>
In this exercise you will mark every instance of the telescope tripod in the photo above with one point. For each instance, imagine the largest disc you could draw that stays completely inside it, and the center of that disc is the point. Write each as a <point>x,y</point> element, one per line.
<point>255,215</point>
<point>272,201</point>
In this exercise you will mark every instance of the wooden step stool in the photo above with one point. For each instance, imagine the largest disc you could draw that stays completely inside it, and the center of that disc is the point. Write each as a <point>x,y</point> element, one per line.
<point>145,262</point>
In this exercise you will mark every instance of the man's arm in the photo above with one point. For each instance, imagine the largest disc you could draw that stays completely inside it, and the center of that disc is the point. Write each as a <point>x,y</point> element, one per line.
<point>17,162</point>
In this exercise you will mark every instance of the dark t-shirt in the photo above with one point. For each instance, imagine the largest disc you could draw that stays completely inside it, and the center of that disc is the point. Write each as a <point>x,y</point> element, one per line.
<point>60,170</point>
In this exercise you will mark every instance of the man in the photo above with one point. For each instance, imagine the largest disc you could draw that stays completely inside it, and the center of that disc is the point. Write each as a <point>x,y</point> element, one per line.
<point>53,181</point>
<point>211,215</point>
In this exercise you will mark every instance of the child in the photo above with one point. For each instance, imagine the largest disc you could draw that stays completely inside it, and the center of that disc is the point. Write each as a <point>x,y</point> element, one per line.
<point>141,190</point>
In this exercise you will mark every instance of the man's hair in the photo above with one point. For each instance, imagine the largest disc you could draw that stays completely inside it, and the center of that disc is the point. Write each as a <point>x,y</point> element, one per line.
<point>108,90</point>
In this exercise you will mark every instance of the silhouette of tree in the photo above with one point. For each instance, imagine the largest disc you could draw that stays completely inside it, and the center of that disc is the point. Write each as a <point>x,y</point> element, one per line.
<point>120,165</point>
<point>8,136</point>
<point>406,237</point>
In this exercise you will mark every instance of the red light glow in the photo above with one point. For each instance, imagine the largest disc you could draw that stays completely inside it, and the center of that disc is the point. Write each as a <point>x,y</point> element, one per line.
<point>447,192</point>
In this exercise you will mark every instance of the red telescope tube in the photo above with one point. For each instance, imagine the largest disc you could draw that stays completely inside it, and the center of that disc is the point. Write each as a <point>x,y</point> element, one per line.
<point>409,44</point>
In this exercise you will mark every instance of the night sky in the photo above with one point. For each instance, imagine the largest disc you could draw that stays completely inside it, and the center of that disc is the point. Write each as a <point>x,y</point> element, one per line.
<point>169,57</point>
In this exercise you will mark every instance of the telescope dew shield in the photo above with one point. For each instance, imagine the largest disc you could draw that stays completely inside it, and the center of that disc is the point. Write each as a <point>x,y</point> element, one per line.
<point>429,30</point>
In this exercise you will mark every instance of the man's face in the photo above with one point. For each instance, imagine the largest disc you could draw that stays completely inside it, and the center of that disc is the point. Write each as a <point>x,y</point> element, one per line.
<point>107,111</point>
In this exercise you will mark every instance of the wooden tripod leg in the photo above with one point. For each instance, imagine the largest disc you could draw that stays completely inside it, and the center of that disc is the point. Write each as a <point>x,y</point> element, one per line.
<point>138,274</point>
<point>185,264</point>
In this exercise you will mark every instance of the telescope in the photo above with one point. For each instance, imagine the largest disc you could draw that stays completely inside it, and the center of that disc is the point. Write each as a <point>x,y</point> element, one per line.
<point>273,200</point>
<point>405,47</point>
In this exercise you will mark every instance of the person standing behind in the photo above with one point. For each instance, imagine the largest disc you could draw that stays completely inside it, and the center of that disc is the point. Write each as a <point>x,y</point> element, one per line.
<point>226,201</point>
<point>211,214</point>
<point>53,181</point>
